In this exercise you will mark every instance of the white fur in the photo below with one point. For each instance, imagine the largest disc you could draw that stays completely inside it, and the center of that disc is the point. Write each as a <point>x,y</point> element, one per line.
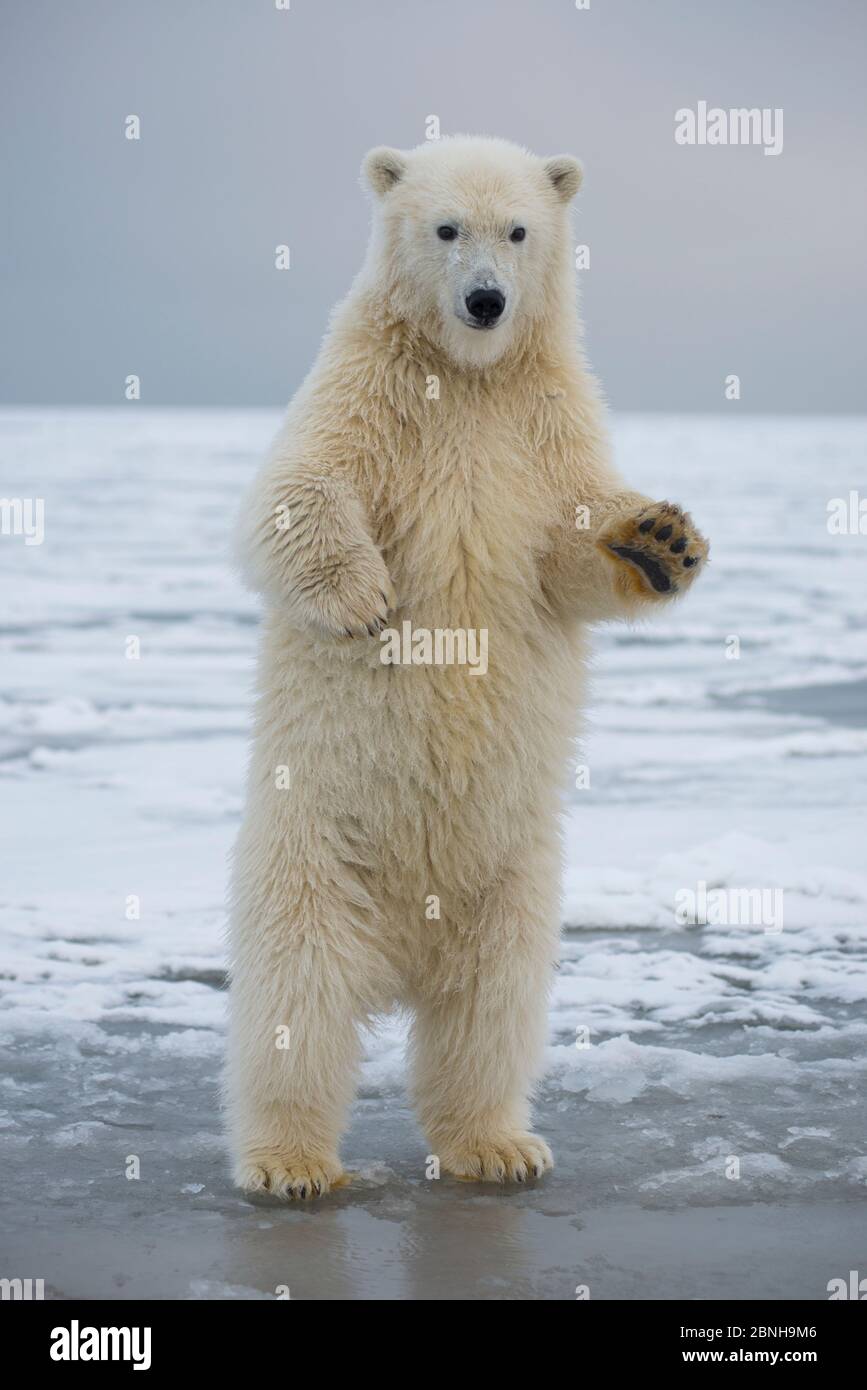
<point>413,782</point>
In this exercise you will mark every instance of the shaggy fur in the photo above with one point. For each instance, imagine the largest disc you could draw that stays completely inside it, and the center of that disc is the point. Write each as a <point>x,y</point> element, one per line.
<point>410,783</point>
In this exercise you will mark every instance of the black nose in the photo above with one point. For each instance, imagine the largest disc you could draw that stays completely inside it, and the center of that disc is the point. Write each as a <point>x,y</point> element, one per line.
<point>485,305</point>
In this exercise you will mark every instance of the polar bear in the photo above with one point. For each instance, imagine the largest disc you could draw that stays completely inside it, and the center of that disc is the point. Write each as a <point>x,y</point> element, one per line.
<point>444,467</point>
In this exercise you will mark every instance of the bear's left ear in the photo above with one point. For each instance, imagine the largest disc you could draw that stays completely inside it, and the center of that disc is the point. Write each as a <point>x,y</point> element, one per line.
<point>565,174</point>
<point>383,168</point>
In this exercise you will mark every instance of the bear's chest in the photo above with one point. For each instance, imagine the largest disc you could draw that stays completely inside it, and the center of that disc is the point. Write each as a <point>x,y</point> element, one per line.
<point>467,517</point>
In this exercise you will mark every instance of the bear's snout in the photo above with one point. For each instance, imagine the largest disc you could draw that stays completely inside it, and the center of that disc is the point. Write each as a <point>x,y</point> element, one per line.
<point>485,306</point>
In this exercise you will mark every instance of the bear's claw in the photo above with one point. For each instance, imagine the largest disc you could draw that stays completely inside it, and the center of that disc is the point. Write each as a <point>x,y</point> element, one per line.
<point>289,1177</point>
<point>504,1158</point>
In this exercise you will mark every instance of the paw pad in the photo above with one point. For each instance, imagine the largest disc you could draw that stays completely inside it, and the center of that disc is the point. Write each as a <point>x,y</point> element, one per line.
<point>648,542</point>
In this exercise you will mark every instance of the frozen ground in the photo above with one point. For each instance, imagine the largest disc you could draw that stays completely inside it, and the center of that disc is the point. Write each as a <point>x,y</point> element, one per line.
<point>713,1050</point>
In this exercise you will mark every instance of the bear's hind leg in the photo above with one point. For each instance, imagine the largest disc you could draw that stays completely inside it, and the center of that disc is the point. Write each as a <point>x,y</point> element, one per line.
<point>301,981</point>
<point>477,1046</point>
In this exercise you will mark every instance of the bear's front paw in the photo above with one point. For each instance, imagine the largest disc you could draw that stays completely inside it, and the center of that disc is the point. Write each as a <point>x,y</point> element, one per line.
<point>358,603</point>
<point>511,1157</point>
<point>288,1175</point>
<point>658,550</point>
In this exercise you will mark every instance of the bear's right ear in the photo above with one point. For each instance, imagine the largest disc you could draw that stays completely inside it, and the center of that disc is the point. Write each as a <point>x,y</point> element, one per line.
<point>566,175</point>
<point>383,168</point>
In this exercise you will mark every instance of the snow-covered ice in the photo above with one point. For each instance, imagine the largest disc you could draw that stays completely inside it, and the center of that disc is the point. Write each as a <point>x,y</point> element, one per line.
<point>705,1082</point>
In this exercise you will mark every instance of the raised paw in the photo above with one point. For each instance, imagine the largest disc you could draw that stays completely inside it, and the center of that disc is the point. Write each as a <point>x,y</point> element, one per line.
<point>288,1175</point>
<point>658,550</point>
<point>501,1158</point>
<point>359,606</point>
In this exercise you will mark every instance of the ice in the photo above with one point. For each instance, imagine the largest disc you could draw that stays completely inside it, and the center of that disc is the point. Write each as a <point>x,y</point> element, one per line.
<point>121,783</point>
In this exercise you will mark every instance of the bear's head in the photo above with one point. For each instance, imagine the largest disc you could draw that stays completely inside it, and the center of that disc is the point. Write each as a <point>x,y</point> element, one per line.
<point>471,242</point>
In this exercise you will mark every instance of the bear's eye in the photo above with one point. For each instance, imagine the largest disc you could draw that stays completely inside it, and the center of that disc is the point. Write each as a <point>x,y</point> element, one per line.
<point>447,233</point>
<point>517,233</point>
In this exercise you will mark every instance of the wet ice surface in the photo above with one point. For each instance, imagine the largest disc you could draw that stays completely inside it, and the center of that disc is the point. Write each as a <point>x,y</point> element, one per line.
<point>713,1049</point>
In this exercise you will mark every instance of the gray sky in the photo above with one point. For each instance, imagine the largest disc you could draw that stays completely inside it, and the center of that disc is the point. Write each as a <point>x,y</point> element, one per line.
<point>156,257</point>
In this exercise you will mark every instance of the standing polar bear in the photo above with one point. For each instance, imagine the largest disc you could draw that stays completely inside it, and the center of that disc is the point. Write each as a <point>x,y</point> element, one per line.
<point>444,474</point>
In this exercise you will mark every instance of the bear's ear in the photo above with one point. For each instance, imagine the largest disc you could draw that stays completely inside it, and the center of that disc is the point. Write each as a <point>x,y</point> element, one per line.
<point>383,168</point>
<point>565,174</point>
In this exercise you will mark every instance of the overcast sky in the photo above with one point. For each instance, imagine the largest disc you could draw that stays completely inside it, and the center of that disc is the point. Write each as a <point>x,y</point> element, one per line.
<point>156,257</point>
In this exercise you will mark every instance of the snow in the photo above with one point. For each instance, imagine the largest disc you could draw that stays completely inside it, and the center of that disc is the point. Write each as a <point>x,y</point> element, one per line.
<point>121,784</point>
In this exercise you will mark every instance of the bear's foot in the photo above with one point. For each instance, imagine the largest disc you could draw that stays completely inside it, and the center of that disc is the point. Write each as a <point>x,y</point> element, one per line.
<point>658,549</point>
<point>288,1175</point>
<point>511,1157</point>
